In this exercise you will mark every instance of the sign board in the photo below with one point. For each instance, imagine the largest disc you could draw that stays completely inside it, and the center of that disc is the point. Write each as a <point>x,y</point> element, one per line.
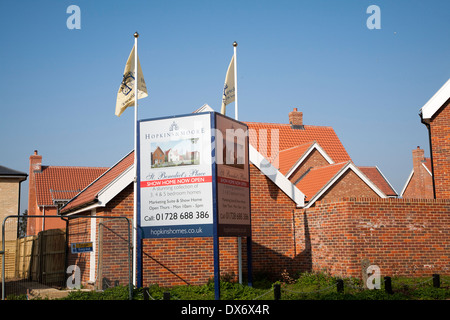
<point>81,247</point>
<point>193,176</point>
<point>233,177</point>
<point>176,178</point>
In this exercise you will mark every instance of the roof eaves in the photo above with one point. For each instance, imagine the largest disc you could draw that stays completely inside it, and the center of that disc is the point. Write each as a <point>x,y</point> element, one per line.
<point>427,169</point>
<point>347,166</point>
<point>384,177</point>
<point>276,176</point>
<point>316,146</point>
<point>89,185</point>
<point>83,207</point>
<point>435,102</point>
<point>407,183</point>
<point>327,185</point>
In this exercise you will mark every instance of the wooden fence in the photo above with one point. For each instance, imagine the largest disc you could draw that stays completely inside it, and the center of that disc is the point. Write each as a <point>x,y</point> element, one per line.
<point>38,258</point>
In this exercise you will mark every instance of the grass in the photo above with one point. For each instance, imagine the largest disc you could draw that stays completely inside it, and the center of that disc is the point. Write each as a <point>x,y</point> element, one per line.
<point>307,286</point>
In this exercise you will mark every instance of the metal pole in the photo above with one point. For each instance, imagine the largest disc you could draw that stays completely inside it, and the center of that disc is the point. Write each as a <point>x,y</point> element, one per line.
<point>3,258</point>
<point>136,35</point>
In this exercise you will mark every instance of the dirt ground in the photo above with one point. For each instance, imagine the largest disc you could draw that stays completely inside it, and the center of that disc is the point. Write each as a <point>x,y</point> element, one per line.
<point>33,290</point>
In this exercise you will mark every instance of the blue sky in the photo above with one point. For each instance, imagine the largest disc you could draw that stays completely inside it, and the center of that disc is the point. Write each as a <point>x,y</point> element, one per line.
<point>59,85</point>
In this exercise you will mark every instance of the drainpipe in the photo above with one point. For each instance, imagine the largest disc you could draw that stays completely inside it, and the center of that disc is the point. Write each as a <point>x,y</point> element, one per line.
<point>431,152</point>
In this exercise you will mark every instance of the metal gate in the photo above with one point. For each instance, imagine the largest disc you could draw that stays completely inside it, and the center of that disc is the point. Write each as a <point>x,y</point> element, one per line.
<point>92,253</point>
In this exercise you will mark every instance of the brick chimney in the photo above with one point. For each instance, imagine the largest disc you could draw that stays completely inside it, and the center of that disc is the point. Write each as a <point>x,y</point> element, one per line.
<point>296,119</point>
<point>418,157</point>
<point>35,165</point>
<point>419,179</point>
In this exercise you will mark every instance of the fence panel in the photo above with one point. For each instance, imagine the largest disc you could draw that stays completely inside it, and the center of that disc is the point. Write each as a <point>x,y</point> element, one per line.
<point>40,263</point>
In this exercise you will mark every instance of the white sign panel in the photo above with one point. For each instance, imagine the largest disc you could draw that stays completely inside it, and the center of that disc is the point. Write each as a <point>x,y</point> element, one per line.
<point>175,177</point>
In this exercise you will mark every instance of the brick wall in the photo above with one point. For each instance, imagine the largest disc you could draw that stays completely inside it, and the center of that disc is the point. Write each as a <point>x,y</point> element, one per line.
<point>272,221</point>
<point>440,148</point>
<point>9,203</point>
<point>348,185</point>
<point>79,231</point>
<point>402,237</point>
<point>167,262</point>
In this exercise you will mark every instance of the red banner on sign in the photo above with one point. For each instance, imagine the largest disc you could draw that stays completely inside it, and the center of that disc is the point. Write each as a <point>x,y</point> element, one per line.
<point>175,181</point>
<point>233,182</point>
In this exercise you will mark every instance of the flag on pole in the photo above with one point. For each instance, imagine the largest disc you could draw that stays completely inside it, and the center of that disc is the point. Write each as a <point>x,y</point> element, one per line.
<point>229,88</point>
<point>126,93</point>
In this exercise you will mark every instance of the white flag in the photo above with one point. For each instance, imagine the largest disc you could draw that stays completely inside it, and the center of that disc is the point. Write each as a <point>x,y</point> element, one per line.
<point>125,95</point>
<point>229,88</point>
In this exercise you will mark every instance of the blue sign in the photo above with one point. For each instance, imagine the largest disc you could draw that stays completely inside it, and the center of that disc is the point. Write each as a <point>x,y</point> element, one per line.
<point>82,247</point>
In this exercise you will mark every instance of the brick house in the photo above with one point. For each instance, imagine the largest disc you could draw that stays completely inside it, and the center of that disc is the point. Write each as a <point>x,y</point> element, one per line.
<point>157,156</point>
<point>435,115</point>
<point>315,161</point>
<point>10,187</point>
<point>304,165</point>
<point>50,187</point>
<point>419,184</point>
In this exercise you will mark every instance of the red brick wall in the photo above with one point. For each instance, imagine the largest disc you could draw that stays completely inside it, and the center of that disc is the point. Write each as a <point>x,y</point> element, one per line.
<point>79,231</point>
<point>402,237</point>
<point>420,186</point>
<point>179,261</point>
<point>348,185</point>
<point>272,221</point>
<point>166,262</point>
<point>440,148</point>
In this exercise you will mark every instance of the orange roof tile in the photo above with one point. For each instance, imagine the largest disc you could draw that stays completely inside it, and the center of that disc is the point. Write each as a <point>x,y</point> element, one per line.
<point>317,178</point>
<point>287,158</point>
<point>90,193</point>
<point>375,175</point>
<point>58,183</point>
<point>288,138</point>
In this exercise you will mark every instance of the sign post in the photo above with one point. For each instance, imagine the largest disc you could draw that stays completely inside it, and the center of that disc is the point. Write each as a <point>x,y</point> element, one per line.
<point>193,180</point>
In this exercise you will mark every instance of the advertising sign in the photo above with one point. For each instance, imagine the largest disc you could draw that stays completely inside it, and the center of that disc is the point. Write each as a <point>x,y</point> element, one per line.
<point>176,177</point>
<point>193,175</point>
<point>233,177</point>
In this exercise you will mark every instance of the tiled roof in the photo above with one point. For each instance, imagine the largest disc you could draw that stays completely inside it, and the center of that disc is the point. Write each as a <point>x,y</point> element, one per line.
<point>5,171</point>
<point>287,158</point>
<point>317,178</point>
<point>427,164</point>
<point>375,175</point>
<point>288,138</point>
<point>57,183</point>
<point>90,193</point>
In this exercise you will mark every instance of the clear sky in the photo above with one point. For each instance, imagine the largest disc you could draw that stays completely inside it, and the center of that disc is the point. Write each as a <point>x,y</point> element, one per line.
<point>58,86</point>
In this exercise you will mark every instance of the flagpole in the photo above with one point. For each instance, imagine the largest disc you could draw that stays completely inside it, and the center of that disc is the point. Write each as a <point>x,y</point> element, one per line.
<point>236,117</point>
<point>136,35</point>
<point>235,83</point>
